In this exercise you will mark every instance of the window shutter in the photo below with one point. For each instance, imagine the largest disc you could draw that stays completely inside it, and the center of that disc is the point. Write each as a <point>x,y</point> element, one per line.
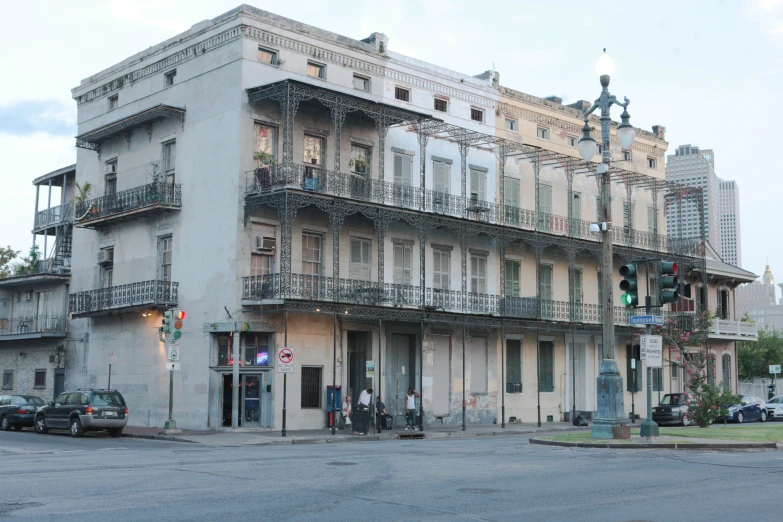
<point>356,259</point>
<point>482,273</point>
<point>576,205</point>
<point>440,177</point>
<point>474,185</point>
<point>578,286</point>
<point>398,168</point>
<point>512,192</point>
<point>398,264</point>
<point>406,170</point>
<point>545,199</point>
<point>408,254</point>
<point>482,186</point>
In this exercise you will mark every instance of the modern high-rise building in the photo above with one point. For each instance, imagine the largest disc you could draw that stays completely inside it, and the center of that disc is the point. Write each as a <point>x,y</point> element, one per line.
<point>730,240</point>
<point>696,168</point>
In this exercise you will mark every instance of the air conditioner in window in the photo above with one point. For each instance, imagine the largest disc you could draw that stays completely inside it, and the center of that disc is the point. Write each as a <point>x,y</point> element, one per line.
<point>28,296</point>
<point>265,243</point>
<point>106,256</point>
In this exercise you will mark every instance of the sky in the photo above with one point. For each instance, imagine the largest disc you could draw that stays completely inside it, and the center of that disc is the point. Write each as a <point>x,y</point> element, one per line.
<point>706,70</point>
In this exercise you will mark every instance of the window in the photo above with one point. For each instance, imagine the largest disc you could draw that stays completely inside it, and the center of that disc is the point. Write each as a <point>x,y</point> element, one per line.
<point>476,114</point>
<point>402,94</point>
<point>107,277</point>
<point>513,366</point>
<point>478,186</point>
<point>402,263</point>
<point>403,169</point>
<point>652,220</point>
<point>269,56</point>
<point>360,160</point>
<point>711,369</point>
<point>168,78</point>
<point>478,365</point>
<point>478,273</point>
<point>311,253</point>
<point>633,370</point>
<point>314,150</point>
<point>512,125</point>
<point>652,163</point>
<point>169,160</point>
<point>546,366</point>
<point>572,141</point>
<point>544,207</point>
<point>441,269</point>
<point>40,379</point>
<point>600,148</point>
<point>311,386</point>
<point>441,105</point>
<point>164,254</point>
<point>256,350</point>
<point>628,216</point>
<point>361,83</point>
<point>224,350</point>
<point>626,155</point>
<point>360,259</point>
<point>726,366</point>
<point>264,144</point>
<point>8,379</point>
<point>545,283</point>
<point>262,256</point>
<point>316,70</point>
<point>511,195</point>
<point>114,102</point>
<point>513,280</point>
<point>657,379</point>
<point>723,304</point>
<point>111,177</point>
<point>542,133</point>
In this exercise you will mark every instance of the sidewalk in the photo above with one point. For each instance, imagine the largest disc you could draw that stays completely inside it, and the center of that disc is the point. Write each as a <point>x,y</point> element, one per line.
<point>265,437</point>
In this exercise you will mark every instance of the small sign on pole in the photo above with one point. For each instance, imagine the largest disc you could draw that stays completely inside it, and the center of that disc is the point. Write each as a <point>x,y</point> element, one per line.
<point>651,347</point>
<point>172,366</point>
<point>641,320</point>
<point>370,369</point>
<point>112,358</point>
<point>285,360</point>
<point>774,369</point>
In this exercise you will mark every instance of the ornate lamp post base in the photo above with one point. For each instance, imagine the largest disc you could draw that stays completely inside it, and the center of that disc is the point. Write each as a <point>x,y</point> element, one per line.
<point>649,429</point>
<point>610,421</point>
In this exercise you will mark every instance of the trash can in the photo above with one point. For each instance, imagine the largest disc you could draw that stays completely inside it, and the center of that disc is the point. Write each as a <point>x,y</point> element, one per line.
<point>360,417</point>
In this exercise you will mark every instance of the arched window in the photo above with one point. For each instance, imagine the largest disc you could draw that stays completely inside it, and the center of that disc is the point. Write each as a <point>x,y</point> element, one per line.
<point>726,364</point>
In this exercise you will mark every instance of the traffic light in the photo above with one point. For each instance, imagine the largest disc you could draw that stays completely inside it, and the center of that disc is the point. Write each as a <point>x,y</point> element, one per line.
<point>167,320</point>
<point>179,318</point>
<point>629,285</point>
<point>668,283</point>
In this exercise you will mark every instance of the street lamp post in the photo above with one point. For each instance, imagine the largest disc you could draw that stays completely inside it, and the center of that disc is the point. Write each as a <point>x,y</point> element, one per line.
<point>609,383</point>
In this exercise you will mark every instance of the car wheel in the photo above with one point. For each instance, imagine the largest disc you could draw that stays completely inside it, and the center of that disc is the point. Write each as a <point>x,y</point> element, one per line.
<point>117,432</point>
<point>763,417</point>
<point>76,427</point>
<point>740,418</point>
<point>4,423</point>
<point>685,421</point>
<point>40,426</point>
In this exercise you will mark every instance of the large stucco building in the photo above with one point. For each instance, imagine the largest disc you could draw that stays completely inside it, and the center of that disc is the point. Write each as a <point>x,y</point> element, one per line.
<point>287,186</point>
<point>730,230</point>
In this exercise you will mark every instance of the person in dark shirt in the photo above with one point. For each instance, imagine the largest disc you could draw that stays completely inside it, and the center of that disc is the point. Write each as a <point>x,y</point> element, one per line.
<point>380,412</point>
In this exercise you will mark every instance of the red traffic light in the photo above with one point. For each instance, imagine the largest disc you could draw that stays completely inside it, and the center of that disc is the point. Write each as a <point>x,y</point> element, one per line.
<point>181,315</point>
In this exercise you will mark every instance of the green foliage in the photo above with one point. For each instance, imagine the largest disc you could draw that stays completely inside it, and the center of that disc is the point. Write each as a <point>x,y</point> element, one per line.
<point>84,191</point>
<point>29,264</point>
<point>754,358</point>
<point>6,256</point>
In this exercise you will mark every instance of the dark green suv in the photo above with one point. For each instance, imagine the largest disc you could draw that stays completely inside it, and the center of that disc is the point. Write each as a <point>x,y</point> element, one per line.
<point>85,409</point>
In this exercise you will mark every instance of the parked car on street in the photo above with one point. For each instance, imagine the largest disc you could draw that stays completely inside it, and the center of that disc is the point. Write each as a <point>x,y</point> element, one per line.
<point>672,409</point>
<point>775,407</point>
<point>84,410</point>
<point>18,411</point>
<point>750,407</point>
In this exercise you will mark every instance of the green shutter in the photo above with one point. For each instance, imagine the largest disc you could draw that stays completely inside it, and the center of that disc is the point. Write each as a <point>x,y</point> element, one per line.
<point>546,369</point>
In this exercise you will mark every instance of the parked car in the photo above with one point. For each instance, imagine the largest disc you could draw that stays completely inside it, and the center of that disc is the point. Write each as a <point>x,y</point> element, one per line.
<point>17,411</point>
<point>775,407</point>
<point>671,409</point>
<point>750,407</point>
<point>84,410</point>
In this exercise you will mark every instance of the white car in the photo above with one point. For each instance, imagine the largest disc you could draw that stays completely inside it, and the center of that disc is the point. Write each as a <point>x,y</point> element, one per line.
<point>775,408</point>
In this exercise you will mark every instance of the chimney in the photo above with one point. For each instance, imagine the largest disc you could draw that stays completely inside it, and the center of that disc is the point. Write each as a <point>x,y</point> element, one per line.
<point>582,105</point>
<point>379,40</point>
<point>492,78</point>
<point>554,99</point>
<point>660,132</point>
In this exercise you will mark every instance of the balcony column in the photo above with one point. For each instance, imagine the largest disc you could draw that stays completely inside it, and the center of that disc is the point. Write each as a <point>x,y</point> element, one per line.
<point>336,218</point>
<point>37,194</point>
<point>422,138</point>
<point>463,165</point>
<point>655,242</point>
<point>502,155</point>
<point>537,175</point>
<point>629,238</point>
<point>570,195</point>
<point>338,118</point>
<point>289,105</point>
<point>381,226</point>
<point>502,241</point>
<point>421,234</point>
<point>538,250</point>
<point>383,129</point>
<point>287,214</point>
<point>573,313</point>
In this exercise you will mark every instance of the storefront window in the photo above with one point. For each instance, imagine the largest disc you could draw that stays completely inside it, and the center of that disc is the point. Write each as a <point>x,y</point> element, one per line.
<point>256,350</point>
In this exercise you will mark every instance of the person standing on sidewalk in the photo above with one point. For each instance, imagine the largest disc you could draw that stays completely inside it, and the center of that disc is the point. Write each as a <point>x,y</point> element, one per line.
<point>410,409</point>
<point>345,417</point>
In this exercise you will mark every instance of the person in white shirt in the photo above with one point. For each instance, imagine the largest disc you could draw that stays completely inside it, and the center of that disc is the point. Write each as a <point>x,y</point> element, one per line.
<point>410,409</point>
<point>346,412</point>
<point>365,397</point>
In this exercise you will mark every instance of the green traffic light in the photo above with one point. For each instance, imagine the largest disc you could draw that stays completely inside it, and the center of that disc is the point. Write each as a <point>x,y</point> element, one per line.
<point>630,299</point>
<point>177,334</point>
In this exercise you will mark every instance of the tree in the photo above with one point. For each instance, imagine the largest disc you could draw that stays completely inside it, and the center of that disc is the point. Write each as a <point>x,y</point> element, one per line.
<point>754,359</point>
<point>29,264</point>
<point>6,256</point>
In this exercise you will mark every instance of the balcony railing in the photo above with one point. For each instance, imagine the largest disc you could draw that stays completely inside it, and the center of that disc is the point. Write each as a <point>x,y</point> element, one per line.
<point>36,324</point>
<point>154,196</point>
<point>155,293</point>
<point>324,181</point>
<point>54,216</point>
<point>734,328</point>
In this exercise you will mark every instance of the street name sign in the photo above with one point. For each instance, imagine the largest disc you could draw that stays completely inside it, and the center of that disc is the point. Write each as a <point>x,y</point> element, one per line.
<point>774,369</point>
<point>285,360</point>
<point>651,348</point>
<point>639,320</point>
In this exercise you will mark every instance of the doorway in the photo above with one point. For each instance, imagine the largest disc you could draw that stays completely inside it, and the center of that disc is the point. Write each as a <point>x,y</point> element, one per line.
<point>253,400</point>
<point>578,378</point>
<point>359,352</point>
<point>401,367</point>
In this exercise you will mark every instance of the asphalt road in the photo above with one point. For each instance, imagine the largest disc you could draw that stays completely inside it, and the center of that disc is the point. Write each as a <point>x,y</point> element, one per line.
<point>493,478</point>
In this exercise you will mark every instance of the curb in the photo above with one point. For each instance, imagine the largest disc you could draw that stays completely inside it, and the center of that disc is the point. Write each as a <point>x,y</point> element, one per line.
<point>695,446</point>
<point>268,441</point>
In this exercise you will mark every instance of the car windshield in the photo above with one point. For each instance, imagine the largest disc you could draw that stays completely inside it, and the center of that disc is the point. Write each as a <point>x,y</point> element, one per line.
<point>107,399</point>
<point>776,400</point>
<point>26,399</point>
<point>673,400</point>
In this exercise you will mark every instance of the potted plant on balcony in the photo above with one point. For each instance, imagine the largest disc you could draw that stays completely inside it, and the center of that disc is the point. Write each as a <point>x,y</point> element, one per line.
<point>154,192</point>
<point>263,176</point>
<point>311,174</point>
<point>80,200</point>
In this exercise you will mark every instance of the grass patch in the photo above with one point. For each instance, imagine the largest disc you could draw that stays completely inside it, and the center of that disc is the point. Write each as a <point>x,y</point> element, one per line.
<point>769,432</point>
<point>586,436</point>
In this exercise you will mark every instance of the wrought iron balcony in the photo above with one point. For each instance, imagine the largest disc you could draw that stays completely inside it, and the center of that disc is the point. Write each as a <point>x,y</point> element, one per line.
<point>33,327</point>
<point>323,181</point>
<point>54,216</point>
<point>128,204</point>
<point>124,298</point>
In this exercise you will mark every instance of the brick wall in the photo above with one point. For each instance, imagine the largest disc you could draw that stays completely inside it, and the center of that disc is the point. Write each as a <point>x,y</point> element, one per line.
<point>35,357</point>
